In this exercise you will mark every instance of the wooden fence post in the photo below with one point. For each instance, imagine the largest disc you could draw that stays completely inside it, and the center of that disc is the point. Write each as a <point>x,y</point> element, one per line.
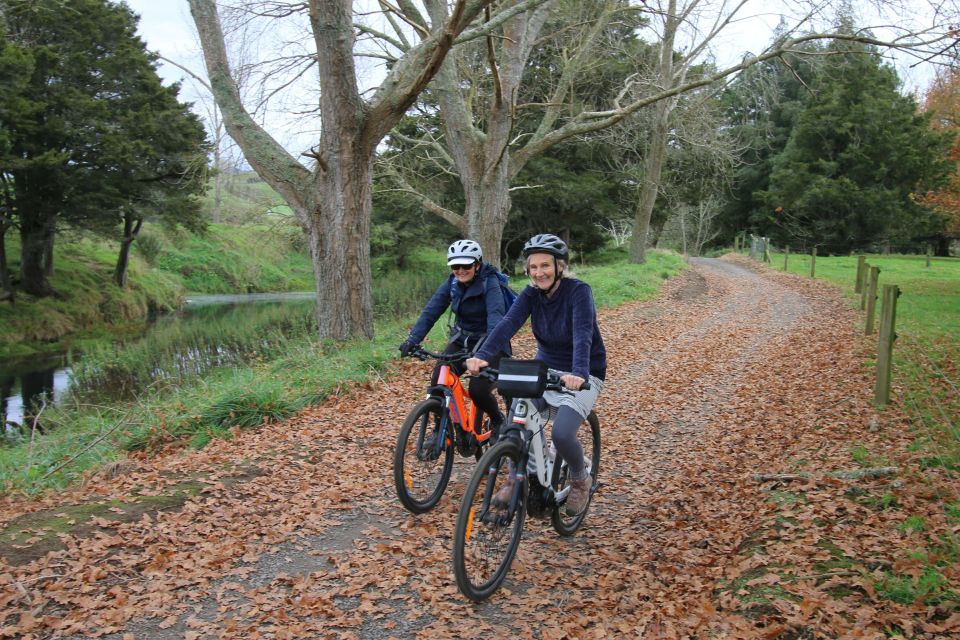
<point>872,298</point>
<point>813,262</point>
<point>861,263</point>
<point>864,276</point>
<point>786,254</point>
<point>888,316</point>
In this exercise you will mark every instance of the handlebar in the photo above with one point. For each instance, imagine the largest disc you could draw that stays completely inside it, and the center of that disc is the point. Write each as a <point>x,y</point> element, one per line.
<point>553,379</point>
<point>423,354</point>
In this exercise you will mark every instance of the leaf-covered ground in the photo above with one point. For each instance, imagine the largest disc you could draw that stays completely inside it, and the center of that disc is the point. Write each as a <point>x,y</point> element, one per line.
<point>293,531</point>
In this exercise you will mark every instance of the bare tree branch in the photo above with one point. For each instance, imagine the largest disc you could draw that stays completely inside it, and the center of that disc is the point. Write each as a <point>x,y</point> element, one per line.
<point>427,203</point>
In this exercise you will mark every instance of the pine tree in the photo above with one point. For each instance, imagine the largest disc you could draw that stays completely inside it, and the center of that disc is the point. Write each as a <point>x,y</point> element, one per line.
<point>91,134</point>
<point>858,152</point>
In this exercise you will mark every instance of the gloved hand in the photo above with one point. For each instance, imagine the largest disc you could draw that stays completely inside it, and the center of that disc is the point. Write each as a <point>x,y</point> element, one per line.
<point>407,347</point>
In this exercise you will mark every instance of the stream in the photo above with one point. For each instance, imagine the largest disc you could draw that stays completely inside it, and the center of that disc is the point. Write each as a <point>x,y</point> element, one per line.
<point>26,383</point>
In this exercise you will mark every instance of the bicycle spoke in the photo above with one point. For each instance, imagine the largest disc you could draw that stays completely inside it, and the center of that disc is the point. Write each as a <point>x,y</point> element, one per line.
<point>422,465</point>
<point>487,535</point>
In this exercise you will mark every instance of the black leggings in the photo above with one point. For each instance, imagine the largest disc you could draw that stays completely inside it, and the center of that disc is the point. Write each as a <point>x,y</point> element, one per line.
<point>480,389</point>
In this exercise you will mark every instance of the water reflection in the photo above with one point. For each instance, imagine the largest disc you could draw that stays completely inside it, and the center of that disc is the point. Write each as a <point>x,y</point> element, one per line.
<point>25,385</point>
<point>199,336</point>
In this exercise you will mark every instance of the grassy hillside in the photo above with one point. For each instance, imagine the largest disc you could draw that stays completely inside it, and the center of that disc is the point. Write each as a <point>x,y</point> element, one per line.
<point>164,267</point>
<point>89,303</point>
<point>238,259</point>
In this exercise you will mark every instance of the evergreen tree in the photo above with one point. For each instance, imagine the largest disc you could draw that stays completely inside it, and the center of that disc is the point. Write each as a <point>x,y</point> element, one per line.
<point>858,152</point>
<point>762,106</point>
<point>92,135</point>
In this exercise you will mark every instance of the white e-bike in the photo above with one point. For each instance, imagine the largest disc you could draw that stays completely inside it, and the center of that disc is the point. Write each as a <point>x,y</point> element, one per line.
<point>488,532</point>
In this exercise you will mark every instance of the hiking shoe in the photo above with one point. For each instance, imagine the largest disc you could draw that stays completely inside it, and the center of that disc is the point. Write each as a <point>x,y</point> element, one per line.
<point>579,496</point>
<point>501,498</point>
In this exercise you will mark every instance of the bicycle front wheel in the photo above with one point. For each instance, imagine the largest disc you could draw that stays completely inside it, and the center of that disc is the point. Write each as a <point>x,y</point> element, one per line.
<point>422,467</point>
<point>487,535</point>
<point>589,436</point>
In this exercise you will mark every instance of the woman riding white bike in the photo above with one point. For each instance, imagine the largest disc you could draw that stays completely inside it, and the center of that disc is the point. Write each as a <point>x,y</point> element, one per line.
<point>564,322</point>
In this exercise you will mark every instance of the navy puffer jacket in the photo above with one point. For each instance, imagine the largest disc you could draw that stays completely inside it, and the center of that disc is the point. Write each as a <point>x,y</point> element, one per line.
<point>477,308</point>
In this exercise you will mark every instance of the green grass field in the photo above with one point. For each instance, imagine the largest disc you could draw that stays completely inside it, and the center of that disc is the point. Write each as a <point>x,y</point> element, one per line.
<point>929,304</point>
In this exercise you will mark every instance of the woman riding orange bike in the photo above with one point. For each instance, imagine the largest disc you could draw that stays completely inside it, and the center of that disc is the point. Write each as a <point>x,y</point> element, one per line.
<point>432,431</point>
<point>473,293</point>
<point>564,322</point>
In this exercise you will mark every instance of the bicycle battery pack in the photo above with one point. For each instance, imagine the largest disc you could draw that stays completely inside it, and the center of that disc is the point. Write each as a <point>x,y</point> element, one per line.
<point>522,378</point>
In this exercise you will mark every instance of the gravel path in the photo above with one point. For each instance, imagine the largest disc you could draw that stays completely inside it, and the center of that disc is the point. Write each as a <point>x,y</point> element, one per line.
<point>315,544</point>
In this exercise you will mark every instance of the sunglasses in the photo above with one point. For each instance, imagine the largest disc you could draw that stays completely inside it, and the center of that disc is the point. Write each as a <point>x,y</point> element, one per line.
<point>462,267</point>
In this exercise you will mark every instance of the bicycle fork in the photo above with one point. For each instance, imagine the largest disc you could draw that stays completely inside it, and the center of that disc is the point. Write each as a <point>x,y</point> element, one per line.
<point>501,517</point>
<point>439,443</point>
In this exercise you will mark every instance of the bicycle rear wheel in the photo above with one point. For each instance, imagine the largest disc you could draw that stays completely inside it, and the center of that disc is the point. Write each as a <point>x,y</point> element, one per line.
<point>589,436</point>
<point>421,473</point>
<point>486,538</point>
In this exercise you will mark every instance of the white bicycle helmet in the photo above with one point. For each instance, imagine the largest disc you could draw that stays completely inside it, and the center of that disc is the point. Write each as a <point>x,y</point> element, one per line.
<point>464,252</point>
<point>546,243</point>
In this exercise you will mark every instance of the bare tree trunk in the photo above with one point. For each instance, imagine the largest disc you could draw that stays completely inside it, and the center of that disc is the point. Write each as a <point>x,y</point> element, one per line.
<point>34,245</point>
<point>217,182</point>
<point>486,209</point>
<point>333,202</point>
<point>653,168</point>
<point>482,157</point>
<point>657,150</point>
<point>340,247</point>
<point>131,228</point>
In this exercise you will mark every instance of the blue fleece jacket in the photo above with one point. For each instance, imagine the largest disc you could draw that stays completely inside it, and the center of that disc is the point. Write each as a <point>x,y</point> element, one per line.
<point>565,326</point>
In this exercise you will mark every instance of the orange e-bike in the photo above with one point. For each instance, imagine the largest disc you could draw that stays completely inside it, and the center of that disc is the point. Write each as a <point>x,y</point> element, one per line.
<point>434,428</point>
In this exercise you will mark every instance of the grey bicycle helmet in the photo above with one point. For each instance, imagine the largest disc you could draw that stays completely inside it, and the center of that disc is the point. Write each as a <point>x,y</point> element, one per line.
<point>464,252</point>
<point>546,243</point>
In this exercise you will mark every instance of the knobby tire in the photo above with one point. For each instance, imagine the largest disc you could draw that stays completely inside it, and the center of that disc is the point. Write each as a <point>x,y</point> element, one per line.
<point>485,543</point>
<point>420,483</point>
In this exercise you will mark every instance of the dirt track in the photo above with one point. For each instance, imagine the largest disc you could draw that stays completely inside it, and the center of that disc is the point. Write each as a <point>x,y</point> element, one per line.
<point>297,533</point>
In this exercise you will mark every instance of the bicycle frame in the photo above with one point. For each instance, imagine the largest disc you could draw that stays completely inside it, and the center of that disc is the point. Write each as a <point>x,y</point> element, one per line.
<point>526,414</point>
<point>455,402</point>
<point>457,414</point>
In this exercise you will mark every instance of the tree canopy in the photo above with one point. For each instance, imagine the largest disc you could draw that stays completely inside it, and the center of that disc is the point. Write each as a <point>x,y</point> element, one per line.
<point>88,133</point>
<point>942,103</point>
<point>858,152</point>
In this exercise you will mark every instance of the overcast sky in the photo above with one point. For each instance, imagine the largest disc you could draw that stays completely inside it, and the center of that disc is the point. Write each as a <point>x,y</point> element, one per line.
<point>167,28</point>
